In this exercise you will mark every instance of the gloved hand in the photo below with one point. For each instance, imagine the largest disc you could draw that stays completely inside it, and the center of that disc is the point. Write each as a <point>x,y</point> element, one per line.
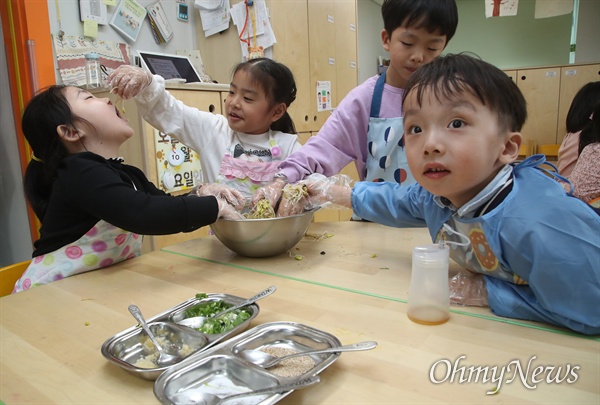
<point>468,289</point>
<point>271,192</point>
<point>232,196</point>
<point>227,211</point>
<point>324,190</point>
<point>128,81</point>
<point>294,200</point>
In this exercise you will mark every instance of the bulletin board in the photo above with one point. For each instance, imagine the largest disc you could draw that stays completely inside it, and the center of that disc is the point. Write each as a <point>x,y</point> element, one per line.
<point>178,166</point>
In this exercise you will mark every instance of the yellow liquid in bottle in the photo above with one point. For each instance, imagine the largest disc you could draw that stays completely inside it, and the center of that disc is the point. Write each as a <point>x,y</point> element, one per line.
<point>428,315</point>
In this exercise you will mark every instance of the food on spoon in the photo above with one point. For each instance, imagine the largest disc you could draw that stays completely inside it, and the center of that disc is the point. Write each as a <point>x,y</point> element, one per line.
<point>224,323</point>
<point>150,360</point>
<point>292,367</point>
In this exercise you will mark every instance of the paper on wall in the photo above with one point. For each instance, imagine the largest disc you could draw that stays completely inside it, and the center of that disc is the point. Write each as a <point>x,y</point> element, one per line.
<point>159,23</point>
<point>93,10</point>
<point>214,15</point>
<point>265,36</point>
<point>501,8</point>
<point>128,19</point>
<point>323,96</point>
<point>552,8</point>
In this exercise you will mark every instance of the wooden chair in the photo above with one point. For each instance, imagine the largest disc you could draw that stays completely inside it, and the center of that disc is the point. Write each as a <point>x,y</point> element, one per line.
<point>9,276</point>
<point>522,152</point>
<point>550,150</point>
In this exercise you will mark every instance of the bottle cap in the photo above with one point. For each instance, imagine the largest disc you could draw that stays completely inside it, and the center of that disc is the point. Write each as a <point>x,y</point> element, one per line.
<point>92,55</point>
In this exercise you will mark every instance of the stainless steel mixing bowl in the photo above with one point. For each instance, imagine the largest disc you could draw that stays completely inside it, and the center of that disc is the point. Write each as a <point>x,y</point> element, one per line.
<point>262,237</point>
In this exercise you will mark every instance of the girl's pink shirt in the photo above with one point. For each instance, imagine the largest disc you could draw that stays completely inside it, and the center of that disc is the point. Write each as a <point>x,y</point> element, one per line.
<point>568,153</point>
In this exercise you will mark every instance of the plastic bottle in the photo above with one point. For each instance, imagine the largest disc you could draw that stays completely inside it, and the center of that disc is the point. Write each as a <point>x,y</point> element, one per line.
<point>92,70</point>
<point>428,294</point>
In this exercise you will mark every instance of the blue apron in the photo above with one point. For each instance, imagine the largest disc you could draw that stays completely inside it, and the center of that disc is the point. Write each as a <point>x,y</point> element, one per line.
<point>386,157</point>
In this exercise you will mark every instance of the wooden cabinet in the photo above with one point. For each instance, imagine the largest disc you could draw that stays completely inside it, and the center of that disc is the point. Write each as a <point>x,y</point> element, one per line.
<point>316,39</point>
<point>572,78</point>
<point>541,88</point>
<point>549,92</point>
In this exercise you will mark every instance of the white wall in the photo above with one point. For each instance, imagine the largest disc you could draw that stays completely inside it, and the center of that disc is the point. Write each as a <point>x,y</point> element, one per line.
<point>369,24</point>
<point>15,241</point>
<point>588,32</point>
<point>184,33</point>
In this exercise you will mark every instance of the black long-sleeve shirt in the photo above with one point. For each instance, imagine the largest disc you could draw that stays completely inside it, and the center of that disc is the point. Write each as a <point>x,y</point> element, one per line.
<point>89,188</point>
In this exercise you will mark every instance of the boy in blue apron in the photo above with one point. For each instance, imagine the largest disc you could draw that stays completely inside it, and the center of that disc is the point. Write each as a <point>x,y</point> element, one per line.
<point>534,246</point>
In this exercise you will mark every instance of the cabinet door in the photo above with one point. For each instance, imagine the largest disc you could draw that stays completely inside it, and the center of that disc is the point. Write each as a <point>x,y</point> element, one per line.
<point>512,74</point>
<point>572,78</point>
<point>541,89</point>
<point>346,48</point>
<point>203,100</point>
<point>322,50</point>
<point>289,20</point>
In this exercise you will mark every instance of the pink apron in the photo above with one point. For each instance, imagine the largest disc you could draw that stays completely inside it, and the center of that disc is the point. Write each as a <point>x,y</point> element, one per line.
<point>247,176</point>
<point>101,246</point>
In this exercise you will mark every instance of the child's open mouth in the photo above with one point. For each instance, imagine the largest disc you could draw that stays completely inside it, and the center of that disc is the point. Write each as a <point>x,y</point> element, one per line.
<point>436,173</point>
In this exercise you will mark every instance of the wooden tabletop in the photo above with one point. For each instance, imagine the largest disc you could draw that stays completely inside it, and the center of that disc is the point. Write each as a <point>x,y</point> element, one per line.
<point>353,284</point>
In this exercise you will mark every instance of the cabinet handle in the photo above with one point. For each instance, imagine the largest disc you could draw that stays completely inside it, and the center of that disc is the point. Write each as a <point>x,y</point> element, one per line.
<point>306,118</point>
<point>211,108</point>
<point>523,77</point>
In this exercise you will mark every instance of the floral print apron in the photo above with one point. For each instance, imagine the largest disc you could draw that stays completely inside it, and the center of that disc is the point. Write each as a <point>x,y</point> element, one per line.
<point>101,246</point>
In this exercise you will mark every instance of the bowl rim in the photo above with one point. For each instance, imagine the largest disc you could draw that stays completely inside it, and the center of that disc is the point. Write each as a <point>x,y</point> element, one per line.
<point>310,211</point>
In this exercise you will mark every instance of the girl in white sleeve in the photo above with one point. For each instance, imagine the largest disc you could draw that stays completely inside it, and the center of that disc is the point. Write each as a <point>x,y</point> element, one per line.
<point>242,148</point>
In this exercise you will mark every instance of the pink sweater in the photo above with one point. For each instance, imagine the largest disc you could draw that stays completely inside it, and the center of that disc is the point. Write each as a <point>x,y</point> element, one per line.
<point>567,154</point>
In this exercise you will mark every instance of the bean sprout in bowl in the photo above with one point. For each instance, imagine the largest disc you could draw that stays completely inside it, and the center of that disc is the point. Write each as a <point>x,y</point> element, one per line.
<point>262,237</point>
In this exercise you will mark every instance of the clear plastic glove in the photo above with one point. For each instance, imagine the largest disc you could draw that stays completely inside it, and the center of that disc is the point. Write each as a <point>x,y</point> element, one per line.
<point>323,190</point>
<point>294,200</point>
<point>128,81</point>
<point>227,211</point>
<point>270,192</point>
<point>232,196</point>
<point>468,289</point>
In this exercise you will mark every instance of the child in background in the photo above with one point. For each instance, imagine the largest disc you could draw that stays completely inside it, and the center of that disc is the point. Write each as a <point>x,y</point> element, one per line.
<point>93,207</point>
<point>241,149</point>
<point>366,127</point>
<point>536,247</point>
<point>585,177</point>
<point>578,118</point>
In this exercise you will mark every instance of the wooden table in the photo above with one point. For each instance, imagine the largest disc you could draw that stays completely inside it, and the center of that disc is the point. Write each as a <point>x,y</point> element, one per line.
<point>352,284</point>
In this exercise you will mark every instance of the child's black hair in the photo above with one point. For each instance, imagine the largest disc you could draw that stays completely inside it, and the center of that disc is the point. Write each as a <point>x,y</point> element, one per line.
<point>433,15</point>
<point>582,105</point>
<point>450,75</point>
<point>277,80</point>
<point>44,113</point>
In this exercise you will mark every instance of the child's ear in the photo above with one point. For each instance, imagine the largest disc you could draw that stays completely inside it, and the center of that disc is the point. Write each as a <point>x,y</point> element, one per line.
<point>510,153</point>
<point>278,111</point>
<point>67,133</point>
<point>385,40</point>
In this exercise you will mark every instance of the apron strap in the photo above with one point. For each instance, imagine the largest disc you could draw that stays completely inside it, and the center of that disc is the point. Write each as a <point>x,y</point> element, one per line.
<point>377,96</point>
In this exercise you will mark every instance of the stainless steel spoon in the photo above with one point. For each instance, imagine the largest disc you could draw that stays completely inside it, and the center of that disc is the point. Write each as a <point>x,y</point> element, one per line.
<point>197,321</point>
<point>197,397</point>
<point>265,360</point>
<point>164,358</point>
